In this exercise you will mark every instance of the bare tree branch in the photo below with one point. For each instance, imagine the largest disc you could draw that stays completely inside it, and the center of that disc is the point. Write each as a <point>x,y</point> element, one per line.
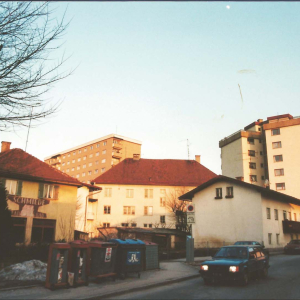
<point>28,35</point>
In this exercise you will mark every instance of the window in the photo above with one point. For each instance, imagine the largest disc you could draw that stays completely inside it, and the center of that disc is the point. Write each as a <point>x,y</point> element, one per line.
<point>103,170</point>
<point>149,193</point>
<point>90,172</point>
<point>96,162</point>
<point>106,224</point>
<point>107,209</point>
<point>133,224</point>
<point>292,236</point>
<point>79,151</point>
<point>279,172</point>
<point>268,213</point>
<point>84,158</point>
<point>218,193</point>
<point>91,155</point>
<point>280,186</point>
<point>128,210</point>
<point>104,151</point>
<point>12,187</point>
<point>275,131</point>
<point>295,217</point>
<point>43,231</point>
<point>277,158</point>
<point>163,219</point>
<point>276,214</point>
<point>103,160</point>
<point>277,238</point>
<point>251,152</point>
<point>96,171</point>
<point>48,191</point>
<point>290,216</point>
<point>148,210</point>
<point>276,145</point>
<point>107,192</point>
<point>259,128</point>
<point>77,175</point>
<point>83,174</point>
<point>78,167</point>
<point>162,201</point>
<point>98,145</point>
<point>73,161</point>
<point>252,165</point>
<point>262,177</point>
<point>284,215</point>
<point>261,165</point>
<point>124,224</point>
<point>68,170</point>
<point>163,191</point>
<point>68,162</point>
<point>85,149</point>
<point>63,164</point>
<point>150,225</point>
<point>253,178</point>
<point>97,153</point>
<point>73,169</point>
<point>129,193</point>
<point>69,154</point>
<point>261,153</point>
<point>250,141</point>
<point>145,225</point>
<point>90,164</point>
<point>259,141</point>
<point>229,192</point>
<point>104,143</point>
<point>79,159</point>
<point>64,157</point>
<point>84,166</point>
<point>92,147</point>
<point>270,238</point>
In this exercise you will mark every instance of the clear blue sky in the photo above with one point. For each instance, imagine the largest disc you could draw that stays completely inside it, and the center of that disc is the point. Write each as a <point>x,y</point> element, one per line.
<point>169,71</point>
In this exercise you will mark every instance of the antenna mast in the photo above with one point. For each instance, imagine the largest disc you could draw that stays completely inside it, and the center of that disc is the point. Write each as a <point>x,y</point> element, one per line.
<point>188,148</point>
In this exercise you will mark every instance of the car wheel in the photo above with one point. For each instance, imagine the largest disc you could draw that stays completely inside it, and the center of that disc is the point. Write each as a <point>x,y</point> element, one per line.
<point>207,281</point>
<point>245,279</point>
<point>264,272</point>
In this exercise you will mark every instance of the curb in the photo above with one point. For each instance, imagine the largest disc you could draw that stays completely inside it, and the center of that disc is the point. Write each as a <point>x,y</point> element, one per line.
<point>19,287</point>
<point>145,287</point>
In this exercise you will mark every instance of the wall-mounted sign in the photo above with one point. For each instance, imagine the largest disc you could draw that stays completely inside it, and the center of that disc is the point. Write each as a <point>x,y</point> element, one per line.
<point>190,208</point>
<point>190,218</point>
<point>28,207</point>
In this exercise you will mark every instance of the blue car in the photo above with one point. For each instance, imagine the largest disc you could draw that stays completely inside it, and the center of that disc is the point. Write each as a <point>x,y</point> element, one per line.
<point>235,263</point>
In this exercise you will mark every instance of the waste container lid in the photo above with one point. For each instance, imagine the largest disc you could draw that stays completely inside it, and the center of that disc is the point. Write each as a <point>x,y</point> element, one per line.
<point>101,244</point>
<point>79,243</point>
<point>150,243</point>
<point>127,241</point>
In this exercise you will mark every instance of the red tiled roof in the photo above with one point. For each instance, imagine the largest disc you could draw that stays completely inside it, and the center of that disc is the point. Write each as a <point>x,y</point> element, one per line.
<point>18,164</point>
<point>170,172</point>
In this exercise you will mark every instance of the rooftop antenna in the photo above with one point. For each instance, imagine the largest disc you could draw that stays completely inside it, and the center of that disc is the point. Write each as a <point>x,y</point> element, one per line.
<point>28,128</point>
<point>188,148</point>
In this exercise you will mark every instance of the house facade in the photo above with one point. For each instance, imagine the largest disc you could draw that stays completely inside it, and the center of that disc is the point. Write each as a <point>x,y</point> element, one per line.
<point>265,153</point>
<point>87,161</point>
<point>141,192</point>
<point>42,199</point>
<point>229,210</point>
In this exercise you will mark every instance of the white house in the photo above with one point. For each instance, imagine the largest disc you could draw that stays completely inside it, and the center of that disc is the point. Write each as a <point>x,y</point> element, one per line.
<point>229,210</point>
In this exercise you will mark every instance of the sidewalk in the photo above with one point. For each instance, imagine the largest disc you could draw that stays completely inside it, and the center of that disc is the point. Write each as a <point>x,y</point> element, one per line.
<point>169,272</point>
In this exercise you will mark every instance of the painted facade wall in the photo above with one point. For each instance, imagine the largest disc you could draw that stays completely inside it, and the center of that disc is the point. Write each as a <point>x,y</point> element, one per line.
<point>61,210</point>
<point>291,159</point>
<point>224,221</point>
<point>119,198</point>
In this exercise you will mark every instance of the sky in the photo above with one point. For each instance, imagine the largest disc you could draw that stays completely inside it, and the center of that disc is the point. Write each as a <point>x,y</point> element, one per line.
<point>168,74</point>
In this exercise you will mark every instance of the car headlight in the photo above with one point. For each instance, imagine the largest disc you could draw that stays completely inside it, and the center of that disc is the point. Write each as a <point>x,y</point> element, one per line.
<point>204,267</point>
<point>233,269</point>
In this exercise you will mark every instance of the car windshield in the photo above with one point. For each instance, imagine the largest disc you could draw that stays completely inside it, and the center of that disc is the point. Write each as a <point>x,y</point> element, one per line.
<point>232,252</point>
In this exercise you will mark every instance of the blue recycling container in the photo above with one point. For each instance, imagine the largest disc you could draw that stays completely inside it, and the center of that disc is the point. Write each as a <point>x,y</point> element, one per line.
<point>130,256</point>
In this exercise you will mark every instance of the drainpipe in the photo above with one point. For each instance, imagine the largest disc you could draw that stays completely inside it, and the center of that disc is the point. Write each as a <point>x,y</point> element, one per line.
<point>86,202</point>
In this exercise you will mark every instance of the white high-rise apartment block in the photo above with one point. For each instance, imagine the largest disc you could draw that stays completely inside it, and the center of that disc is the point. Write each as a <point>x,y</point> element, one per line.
<point>265,153</point>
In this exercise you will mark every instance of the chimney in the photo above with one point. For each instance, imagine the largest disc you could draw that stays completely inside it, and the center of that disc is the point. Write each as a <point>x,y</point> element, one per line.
<point>5,146</point>
<point>260,120</point>
<point>197,158</point>
<point>136,156</point>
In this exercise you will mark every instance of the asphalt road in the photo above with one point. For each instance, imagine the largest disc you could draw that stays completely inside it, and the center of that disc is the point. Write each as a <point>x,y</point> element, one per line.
<point>283,282</point>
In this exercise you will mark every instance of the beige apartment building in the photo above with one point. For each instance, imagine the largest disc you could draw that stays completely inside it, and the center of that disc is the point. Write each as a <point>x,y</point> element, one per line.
<point>87,161</point>
<point>142,192</point>
<point>265,153</point>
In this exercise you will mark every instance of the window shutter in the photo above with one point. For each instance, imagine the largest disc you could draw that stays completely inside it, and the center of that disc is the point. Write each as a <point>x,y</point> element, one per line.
<point>2,181</point>
<point>19,188</point>
<point>41,190</point>
<point>56,189</point>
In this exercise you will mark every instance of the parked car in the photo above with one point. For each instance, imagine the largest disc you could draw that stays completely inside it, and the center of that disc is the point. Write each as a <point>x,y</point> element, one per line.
<point>254,243</point>
<point>235,263</point>
<point>293,247</point>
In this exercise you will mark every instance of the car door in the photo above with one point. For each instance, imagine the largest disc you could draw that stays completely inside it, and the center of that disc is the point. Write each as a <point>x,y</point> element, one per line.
<point>252,263</point>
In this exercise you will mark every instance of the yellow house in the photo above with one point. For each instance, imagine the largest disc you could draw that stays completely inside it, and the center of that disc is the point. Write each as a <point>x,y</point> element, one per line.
<point>42,199</point>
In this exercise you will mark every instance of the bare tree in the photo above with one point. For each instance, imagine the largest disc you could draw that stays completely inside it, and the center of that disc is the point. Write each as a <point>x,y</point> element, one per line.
<point>177,207</point>
<point>28,35</point>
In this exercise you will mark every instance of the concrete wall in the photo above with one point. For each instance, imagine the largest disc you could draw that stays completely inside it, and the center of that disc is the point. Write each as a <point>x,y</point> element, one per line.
<point>227,220</point>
